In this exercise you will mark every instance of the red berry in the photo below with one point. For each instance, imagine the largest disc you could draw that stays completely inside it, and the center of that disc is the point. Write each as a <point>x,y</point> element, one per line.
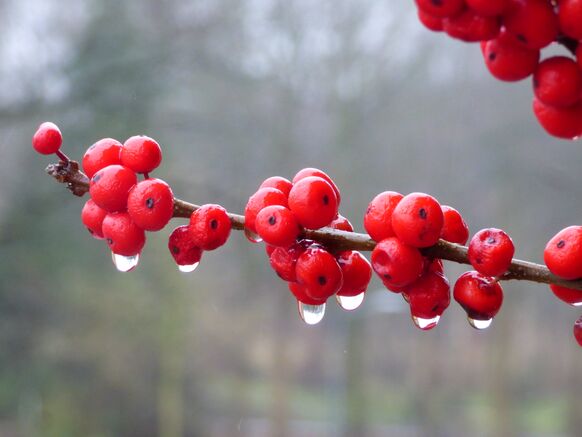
<point>488,7</point>
<point>533,22</point>
<point>378,217</point>
<point>568,295</point>
<point>101,154</point>
<point>469,26</point>
<point>110,187</point>
<point>491,251</point>
<point>307,172</point>
<point>151,204</point>
<point>210,226</point>
<point>314,202</point>
<point>578,331</point>
<point>92,217</point>
<point>342,224</point>
<point>560,122</point>
<point>356,272</point>
<point>319,272</point>
<point>284,259</point>
<point>480,296</point>
<point>278,182</point>
<point>418,220</point>
<point>182,247</point>
<point>570,18</point>
<point>277,225</point>
<point>301,294</point>
<point>508,60</point>
<point>396,263</point>
<point>454,229</point>
<point>430,21</point>
<point>141,154</point>
<point>429,296</point>
<point>441,8</point>
<point>47,139</point>
<point>123,236</point>
<point>558,81</point>
<point>563,253</point>
<point>262,198</point>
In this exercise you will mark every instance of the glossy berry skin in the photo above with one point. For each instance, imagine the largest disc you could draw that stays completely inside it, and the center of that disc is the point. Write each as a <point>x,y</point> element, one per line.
<point>141,154</point>
<point>309,171</point>
<point>563,253</point>
<point>579,55</point>
<point>480,296</point>
<point>378,217</point>
<point>577,330</point>
<point>533,22</point>
<point>568,295</point>
<point>262,198</point>
<point>47,139</point>
<point>182,247</point>
<point>356,272</point>
<point>558,81</point>
<point>469,26</point>
<point>434,265</point>
<point>429,296</point>
<point>284,259</point>
<point>277,226</point>
<point>570,18</point>
<point>508,60</point>
<point>104,152</point>
<point>396,263</point>
<point>92,217</point>
<point>123,236</point>
<point>563,123</point>
<point>314,202</point>
<point>319,272</point>
<point>418,220</point>
<point>454,229</point>
<point>110,187</point>
<point>443,8</point>
<point>302,294</point>
<point>491,251</point>
<point>210,226</point>
<point>341,224</point>
<point>278,182</point>
<point>150,204</point>
<point>430,21</point>
<point>488,8</point>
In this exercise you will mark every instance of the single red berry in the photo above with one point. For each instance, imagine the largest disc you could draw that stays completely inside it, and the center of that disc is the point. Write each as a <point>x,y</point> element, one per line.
<point>302,295</point>
<point>429,296</point>
<point>319,272</point>
<point>123,236</point>
<point>314,202</point>
<point>141,154</point>
<point>491,251</point>
<point>104,152</point>
<point>151,204</point>
<point>441,8</point>
<point>454,229</point>
<point>396,263</point>
<point>560,122</point>
<point>356,272</point>
<point>307,172</point>
<point>262,198</point>
<point>210,226</point>
<point>418,220</point>
<point>429,21</point>
<point>278,182</point>
<point>558,81</point>
<point>578,331</point>
<point>570,18</point>
<point>92,217</point>
<point>378,217</point>
<point>342,224</point>
<point>533,22</point>
<point>480,296</point>
<point>110,187</point>
<point>284,259</point>
<point>508,60</point>
<point>568,295</point>
<point>470,26</point>
<point>47,139</point>
<point>182,247</point>
<point>563,253</point>
<point>277,225</point>
<point>488,7</point>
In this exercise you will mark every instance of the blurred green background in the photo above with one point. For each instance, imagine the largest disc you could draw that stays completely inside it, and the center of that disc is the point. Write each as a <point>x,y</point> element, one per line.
<point>236,91</point>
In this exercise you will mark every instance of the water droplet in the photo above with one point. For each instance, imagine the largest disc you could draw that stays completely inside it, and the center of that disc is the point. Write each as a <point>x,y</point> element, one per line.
<point>187,268</point>
<point>577,304</point>
<point>124,263</point>
<point>311,314</point>
<point>426,324</point>
<point>252,237</point>
<point>479,324</point>
<point>350,303</point>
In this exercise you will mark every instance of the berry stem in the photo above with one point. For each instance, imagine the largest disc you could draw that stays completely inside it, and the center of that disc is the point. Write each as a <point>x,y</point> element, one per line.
<point>62,156</point>
<point>68,173</point>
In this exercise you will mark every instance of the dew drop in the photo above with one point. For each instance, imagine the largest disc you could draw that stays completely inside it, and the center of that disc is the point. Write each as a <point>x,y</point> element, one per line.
<point>311,314</point>
<point>124,263</point>
<point>252,237</point>
<point>479,324</point>
<point>187,268</point>
<point>426,324</point>
<point>350,303</point>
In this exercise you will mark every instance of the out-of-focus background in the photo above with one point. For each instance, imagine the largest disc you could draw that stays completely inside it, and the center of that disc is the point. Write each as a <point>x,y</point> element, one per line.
<point>236,91</point>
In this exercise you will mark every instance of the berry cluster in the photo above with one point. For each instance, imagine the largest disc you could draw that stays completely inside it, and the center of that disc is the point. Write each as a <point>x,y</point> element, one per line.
<point>512,34</point>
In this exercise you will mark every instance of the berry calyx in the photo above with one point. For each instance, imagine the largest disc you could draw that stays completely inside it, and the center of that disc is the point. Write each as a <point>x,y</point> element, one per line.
<point>104,152</point>
<point>568,295</point>
<point>558,81</point>
<point>396,263</point>
<point>314,202</point>
<point>491,251</point>
<point>92,217</point>
<point>47,139</point>
<point>378,217</point>
<point>210,226</point>
<point>480,296</point>
<point>110,187</point>
<point>454,229</point>
<point>183,249</point>
<point>418,220</point>
<point>150,204</point>
<point>356,272</point>
<point>142,154</point>
<point>319,272</point>
<point>563,253</point>
<point>123,236</point>
<point>277,226</point>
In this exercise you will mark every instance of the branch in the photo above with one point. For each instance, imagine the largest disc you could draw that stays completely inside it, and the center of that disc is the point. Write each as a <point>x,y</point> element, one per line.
<point>78,183</point>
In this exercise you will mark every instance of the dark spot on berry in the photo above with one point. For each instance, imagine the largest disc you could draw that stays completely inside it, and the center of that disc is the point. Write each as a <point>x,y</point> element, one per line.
<point>109,241</point>
<point>150,203</point>
<point>272,220</point>
<point>479,261</point>
<point>387,276</point>
<point>521,37</point>
<point>492,56</point>
<point>422,213</point>
<point>491,240</point>
<point>213,224</point>
<point>437,2</point>
<point>435,308</point>
<point>560,244</point>
<point>322,280</point>
<point>175,249</point>
<point>326,199</point>
<point>96,177</point>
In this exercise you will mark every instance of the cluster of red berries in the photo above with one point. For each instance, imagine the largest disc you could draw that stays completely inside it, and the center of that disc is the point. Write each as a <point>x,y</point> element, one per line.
<point>512,34</point>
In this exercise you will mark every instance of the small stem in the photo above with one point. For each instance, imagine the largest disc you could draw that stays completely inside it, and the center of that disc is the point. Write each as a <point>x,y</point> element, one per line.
<point>62,156</point>
<point>146,175</point>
